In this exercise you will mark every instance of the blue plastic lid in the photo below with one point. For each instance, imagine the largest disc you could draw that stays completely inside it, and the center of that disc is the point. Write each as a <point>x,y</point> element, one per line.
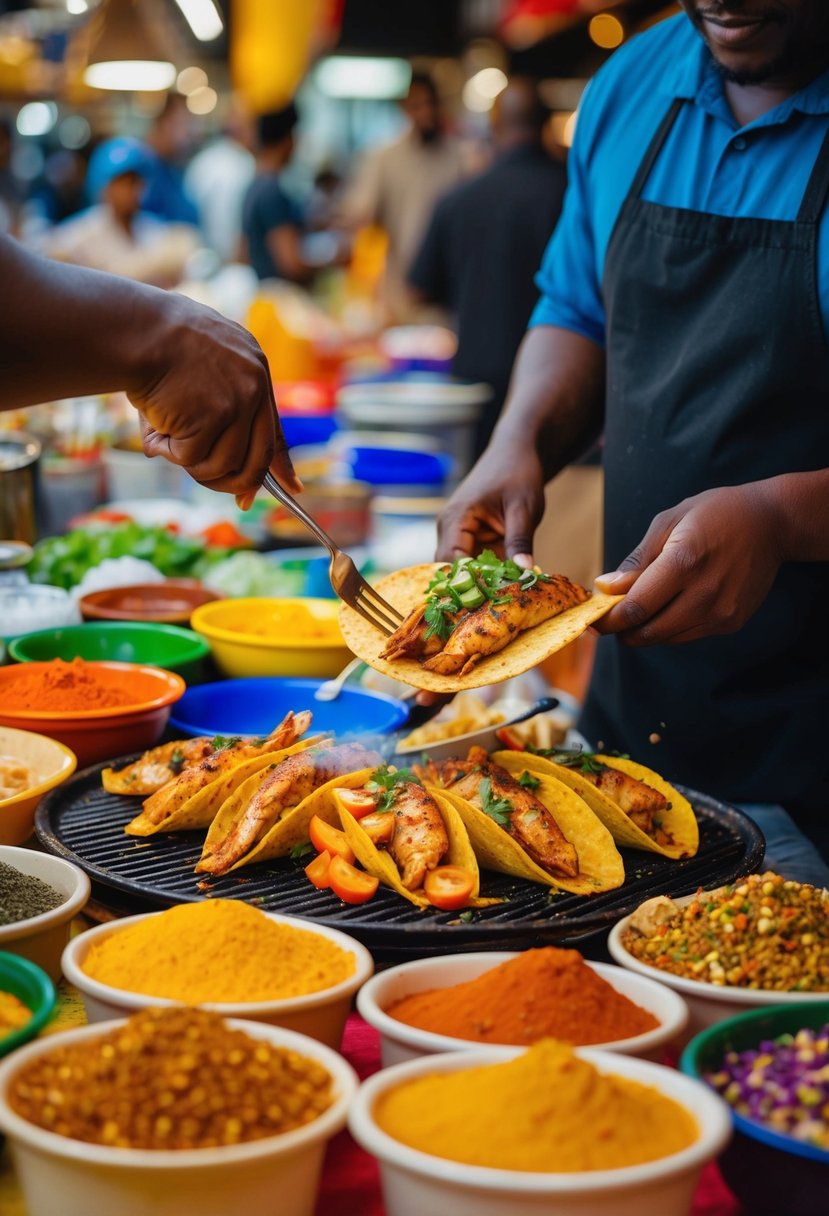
<point>381,466</point>
<point>300,429</point>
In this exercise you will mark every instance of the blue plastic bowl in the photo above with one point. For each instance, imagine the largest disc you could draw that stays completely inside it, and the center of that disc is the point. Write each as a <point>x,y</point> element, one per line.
<point>381,466</point>
<point>302,429</point>
<point>770,1173</point>
<point>254,707</point>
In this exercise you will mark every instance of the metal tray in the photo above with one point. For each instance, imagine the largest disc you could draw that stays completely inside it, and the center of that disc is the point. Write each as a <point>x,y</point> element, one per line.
<point>84,824</point>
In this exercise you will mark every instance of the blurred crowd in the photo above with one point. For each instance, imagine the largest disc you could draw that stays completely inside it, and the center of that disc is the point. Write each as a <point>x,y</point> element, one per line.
<point>174,206</point>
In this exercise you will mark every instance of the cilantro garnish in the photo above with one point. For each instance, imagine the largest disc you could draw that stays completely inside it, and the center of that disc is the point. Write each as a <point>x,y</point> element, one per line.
<point>528,781</point>
<point>487,573</point>
<point>301,850</point>
<point>388,783</point>
<point>585,762</point>
<point>176,763</point>
<point>222,742</point>
<point>437,619</point>
<point>499,809</point>
<point>466,916</point>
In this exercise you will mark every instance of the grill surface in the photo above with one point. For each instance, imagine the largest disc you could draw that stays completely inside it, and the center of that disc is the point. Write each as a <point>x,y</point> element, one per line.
<point>81,822</point>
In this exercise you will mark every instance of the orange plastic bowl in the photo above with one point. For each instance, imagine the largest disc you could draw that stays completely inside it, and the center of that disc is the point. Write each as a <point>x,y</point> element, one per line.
<point>99,734</point>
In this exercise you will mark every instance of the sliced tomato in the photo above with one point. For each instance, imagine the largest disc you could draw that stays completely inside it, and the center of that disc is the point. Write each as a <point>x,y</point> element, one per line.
<point>449,887</point>
<point>379,827</point>
<point>352,885</point>
<point>326,839</point>
<point>317,871</point>
<point>509,740</point>
<point>357,802</point>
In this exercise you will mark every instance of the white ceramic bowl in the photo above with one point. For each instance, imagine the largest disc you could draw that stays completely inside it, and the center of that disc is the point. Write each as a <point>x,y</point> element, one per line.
<point>280,1173</point>
<point>707,1003</point>
<point>399,1042</point>
<point>321,1015</point>
<point>416,1183</point>
<point>41,939</point>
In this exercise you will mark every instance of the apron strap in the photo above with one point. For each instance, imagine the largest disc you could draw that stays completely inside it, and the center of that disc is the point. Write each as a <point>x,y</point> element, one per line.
<point>655,147</point>
<point>814,200</point>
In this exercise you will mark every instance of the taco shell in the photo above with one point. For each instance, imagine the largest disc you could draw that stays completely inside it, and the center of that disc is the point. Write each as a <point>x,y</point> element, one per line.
<point>679,820</point>
<point>406,589</point>
<point>201,808</point>
<point>600,865</point>
<point>381,865</point>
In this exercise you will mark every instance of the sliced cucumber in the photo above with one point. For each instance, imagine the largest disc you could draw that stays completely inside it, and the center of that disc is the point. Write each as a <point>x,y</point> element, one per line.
<point>440,589</point>
<point>463,581</point>
<point>472,598</point>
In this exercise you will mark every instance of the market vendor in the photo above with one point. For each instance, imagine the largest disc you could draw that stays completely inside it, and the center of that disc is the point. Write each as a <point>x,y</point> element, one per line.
<point>685,313</point>
<point>201,383</point>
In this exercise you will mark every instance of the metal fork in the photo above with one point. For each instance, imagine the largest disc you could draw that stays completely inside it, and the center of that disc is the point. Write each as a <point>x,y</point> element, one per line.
<point>346,579</point>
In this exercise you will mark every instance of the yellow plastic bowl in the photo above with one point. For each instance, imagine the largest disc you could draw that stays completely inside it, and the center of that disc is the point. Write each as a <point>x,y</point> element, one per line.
<point>49,762</point>
<point>263,636</point>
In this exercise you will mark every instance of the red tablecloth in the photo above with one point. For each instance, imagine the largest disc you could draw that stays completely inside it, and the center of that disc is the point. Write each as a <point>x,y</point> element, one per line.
<point>350,1181</point>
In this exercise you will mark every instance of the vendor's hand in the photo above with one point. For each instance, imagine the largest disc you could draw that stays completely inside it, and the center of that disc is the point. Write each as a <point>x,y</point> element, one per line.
<point>703,568</point>
<point>498,506</point>
<point>206,402</point>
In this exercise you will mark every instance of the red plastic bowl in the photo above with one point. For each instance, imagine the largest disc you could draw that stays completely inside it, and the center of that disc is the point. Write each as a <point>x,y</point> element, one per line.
<point>99,734</point>
<point>172,602</point>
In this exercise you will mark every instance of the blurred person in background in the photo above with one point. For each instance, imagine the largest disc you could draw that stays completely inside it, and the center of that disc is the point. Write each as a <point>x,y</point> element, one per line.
<point>217,179</point>
<point>485,241</point>
<point>58,193</point>
<point>11,195</point>
<point>115,234</point>
<point>397,186</point>
<point>272,221</point>
<point>171,141</point>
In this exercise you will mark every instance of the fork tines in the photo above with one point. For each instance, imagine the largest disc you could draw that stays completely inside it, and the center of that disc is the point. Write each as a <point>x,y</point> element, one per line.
<point>374,609</point>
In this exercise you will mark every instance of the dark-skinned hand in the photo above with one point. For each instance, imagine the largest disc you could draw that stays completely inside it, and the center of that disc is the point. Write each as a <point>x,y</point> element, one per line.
<point>703,568</point>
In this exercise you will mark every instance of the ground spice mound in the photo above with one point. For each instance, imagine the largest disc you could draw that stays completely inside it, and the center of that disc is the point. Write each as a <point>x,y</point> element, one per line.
<point>23,896</point>
<point>217,951</point>
<point>546,993</point>
<point>546,1111</point>
<point>60,686</point>
<point>171,1079</point>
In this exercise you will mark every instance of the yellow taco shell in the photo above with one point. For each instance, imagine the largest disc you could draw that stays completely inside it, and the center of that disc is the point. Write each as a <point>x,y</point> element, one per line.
<point>679,820</point>
<point>381,864</point>
<point>405,589</point>
<point>201,808</point>
<point>600,865</point>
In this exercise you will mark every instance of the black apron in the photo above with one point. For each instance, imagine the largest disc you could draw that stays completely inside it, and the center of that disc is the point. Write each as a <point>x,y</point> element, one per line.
<point>717,375</point>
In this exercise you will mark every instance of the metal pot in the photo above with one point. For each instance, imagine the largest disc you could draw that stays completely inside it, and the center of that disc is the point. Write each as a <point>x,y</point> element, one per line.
<point>19,456</point>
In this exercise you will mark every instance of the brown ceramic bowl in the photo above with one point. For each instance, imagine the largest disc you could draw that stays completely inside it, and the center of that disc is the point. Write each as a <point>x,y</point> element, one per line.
<point>173,602</point>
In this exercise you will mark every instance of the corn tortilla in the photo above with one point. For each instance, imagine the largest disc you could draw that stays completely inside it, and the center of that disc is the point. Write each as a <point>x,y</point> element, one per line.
<point>405,589</point>
<point>600,865</point>
<point>678,820</point>
<point>201,808</point>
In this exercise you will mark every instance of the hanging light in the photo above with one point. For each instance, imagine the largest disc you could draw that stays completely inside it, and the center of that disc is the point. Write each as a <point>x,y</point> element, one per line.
<point>203,18</point>
<point>125,54</point>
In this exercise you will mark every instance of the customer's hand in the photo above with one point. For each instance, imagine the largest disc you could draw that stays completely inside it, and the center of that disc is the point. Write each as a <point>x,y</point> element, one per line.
<point>703,568</point>
<point>498,506</point>
<point>204,393</point>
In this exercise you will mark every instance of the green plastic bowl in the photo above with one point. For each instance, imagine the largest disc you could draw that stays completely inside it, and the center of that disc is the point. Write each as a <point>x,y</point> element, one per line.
<point>31,986</point>
<point>169,646</point>
<point>769,1172</point>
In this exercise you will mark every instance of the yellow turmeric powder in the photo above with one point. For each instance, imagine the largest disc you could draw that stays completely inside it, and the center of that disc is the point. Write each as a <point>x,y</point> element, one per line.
<point>219,951</point>
<point>546,1111</point>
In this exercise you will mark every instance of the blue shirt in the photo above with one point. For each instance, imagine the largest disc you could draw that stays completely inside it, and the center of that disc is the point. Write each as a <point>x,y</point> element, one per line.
<point>165,195</point>
<point>708,163</point>
<point>267,206</point>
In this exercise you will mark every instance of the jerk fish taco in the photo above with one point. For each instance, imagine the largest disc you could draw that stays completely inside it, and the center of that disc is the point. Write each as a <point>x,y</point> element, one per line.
<point>638,807</point>
<point>526,824</point>
<point>267,815</point>
<point>476,622</point>
<point>403,834</point>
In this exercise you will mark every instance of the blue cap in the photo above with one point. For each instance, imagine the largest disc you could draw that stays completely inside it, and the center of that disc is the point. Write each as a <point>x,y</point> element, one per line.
<point>112,158</point>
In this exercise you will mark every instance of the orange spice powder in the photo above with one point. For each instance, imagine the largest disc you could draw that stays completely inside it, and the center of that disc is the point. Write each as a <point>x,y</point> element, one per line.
<point>544,993</point>
<point>61,686</point>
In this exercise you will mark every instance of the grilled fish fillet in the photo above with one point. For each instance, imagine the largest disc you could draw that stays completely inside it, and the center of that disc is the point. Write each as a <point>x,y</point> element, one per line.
<point>156,767</point>
<point>176,792</point>
<point>530,822</point>
<point>409,641</point>
<point>420,840</point>
<point>490,628</point>
<point>639,801</point>
<point>291,780</point>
